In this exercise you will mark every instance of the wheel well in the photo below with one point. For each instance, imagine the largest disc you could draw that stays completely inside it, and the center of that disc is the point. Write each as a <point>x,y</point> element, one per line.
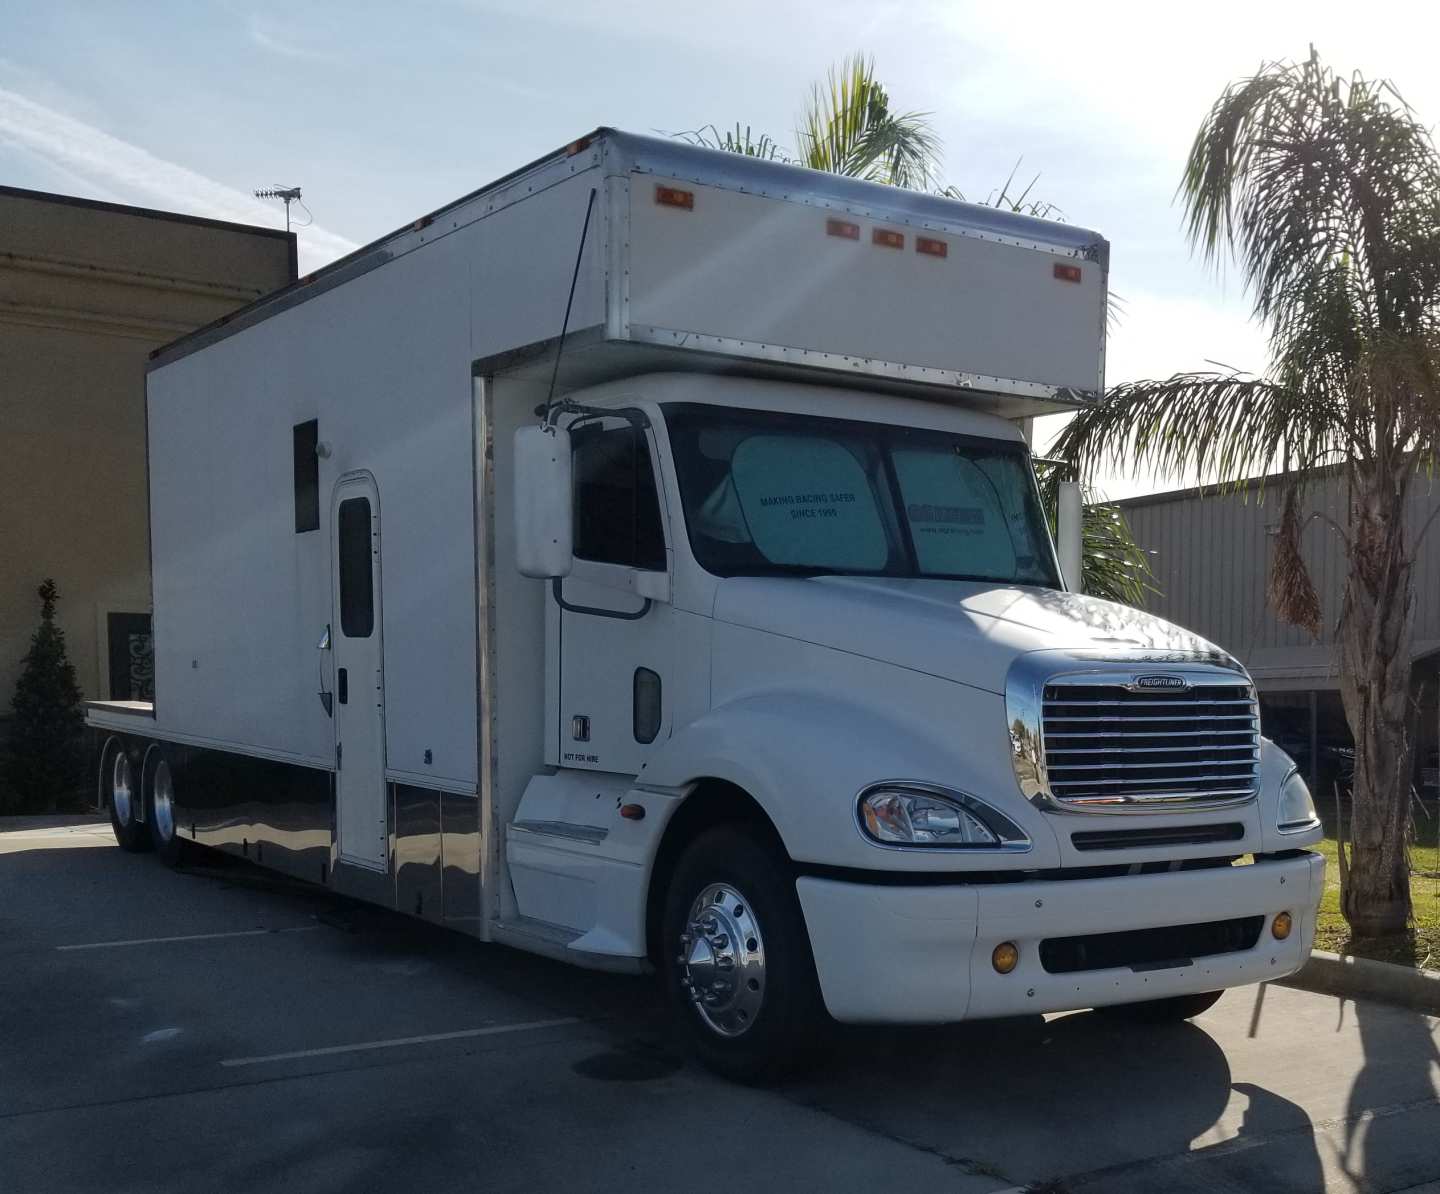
<point>712,802</point>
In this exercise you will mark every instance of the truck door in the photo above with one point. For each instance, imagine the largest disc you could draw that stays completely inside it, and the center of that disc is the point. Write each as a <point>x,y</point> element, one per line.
<point>615,643</point>
<point>361,821</point>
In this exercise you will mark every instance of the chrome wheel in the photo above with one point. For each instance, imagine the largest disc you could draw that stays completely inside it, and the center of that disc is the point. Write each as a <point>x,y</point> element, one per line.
<point>120,788</point>
<point>722,957</point>
<point>162,801</point>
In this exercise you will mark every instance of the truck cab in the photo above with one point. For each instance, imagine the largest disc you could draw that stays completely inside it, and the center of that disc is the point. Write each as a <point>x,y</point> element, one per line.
<point>814,659</point>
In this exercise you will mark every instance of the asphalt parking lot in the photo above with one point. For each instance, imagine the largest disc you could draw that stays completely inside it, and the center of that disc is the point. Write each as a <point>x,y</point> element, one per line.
<point>220,1029</point>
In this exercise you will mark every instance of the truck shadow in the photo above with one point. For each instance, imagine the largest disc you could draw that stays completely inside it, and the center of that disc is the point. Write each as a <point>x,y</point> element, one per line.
<point>1078,1101</point>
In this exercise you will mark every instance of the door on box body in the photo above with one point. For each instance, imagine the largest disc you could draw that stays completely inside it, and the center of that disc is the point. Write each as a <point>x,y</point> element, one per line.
<point>361,809</point>
<point>615,641</point>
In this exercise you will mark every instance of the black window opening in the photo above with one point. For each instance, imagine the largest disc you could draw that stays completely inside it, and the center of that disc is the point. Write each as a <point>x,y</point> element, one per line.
<point>617,511</point>
<point>307,476</point>
<point>132,657</point>
<point>357,584</point>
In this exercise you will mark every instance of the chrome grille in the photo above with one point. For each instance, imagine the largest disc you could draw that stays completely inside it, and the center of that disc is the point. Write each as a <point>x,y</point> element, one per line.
<point>1107,744</point>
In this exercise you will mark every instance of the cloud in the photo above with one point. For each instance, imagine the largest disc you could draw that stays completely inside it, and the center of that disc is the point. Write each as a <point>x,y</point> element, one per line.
<point>282,41</point>
<point>107,162</point>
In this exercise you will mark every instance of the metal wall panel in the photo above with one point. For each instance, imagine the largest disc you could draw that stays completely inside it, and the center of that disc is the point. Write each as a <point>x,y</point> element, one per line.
<point>417,851</point>
<point>1212,555</point>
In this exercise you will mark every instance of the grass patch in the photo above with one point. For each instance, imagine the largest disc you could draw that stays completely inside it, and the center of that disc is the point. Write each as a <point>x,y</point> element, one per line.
<point>1421,947</point>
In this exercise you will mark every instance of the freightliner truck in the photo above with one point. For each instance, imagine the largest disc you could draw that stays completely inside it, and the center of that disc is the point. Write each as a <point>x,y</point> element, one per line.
<point>639,561</point>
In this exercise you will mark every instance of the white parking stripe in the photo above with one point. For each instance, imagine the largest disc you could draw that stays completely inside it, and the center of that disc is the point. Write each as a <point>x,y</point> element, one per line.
<point>187,937</point>
<point>464,1033</point>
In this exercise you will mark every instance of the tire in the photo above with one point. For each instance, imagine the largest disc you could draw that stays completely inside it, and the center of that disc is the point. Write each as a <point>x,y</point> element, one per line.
<point>1164,1011</point>
<point>161,814</point>
<point>120,787</point>
<point>737,961</point>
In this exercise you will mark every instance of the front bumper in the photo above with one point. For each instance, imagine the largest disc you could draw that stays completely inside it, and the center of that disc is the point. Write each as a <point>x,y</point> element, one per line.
<point>921,954</point>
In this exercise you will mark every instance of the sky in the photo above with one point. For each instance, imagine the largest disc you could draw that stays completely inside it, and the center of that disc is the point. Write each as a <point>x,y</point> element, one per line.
<point>382,112</point>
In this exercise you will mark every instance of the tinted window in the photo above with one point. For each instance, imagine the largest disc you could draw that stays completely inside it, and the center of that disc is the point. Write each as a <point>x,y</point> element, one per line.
<point>766,493</point>
<point>617,513</point>
<point>307,476</point>
<point>357,587</point>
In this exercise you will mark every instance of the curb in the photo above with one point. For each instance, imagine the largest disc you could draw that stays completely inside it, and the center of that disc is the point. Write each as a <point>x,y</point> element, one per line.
<point>1361,978</point>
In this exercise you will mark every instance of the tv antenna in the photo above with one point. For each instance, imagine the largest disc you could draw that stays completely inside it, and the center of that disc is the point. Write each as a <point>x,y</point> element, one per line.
<point>288,195</point>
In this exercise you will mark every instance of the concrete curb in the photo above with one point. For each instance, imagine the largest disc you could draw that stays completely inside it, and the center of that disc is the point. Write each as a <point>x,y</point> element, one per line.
<point>1361,978</point>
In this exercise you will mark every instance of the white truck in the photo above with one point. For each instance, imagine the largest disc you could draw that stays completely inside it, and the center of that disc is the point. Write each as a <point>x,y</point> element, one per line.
<point>638,561</point>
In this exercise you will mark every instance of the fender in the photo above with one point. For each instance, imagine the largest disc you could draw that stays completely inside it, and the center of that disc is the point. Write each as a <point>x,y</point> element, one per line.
<point>804,757</point>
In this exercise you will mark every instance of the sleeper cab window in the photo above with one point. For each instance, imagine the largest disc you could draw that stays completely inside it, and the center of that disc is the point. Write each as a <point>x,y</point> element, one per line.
<point>356,568</point>
<point>617,511</point>
<point>307,476</point>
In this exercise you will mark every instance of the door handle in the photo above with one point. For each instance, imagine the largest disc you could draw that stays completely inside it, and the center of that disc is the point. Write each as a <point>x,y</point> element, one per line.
<point>342,685</point>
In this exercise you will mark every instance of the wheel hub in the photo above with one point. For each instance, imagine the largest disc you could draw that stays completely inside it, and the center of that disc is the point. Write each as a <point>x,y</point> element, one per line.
<point>120,788</point>
<point>722,955</point>
<point>163,801</point>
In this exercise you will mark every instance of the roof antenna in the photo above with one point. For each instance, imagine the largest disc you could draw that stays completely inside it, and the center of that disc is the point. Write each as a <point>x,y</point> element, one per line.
<point>565,324</point>
<point>288,194</point>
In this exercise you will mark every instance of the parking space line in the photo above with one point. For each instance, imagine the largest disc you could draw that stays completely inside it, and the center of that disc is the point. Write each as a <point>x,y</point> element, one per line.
<point>186,937</point>
<point>397,1042</point>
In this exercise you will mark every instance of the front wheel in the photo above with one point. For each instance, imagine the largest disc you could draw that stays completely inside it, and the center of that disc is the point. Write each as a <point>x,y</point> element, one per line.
<point>737,959</point>
<point>1164,1011</point>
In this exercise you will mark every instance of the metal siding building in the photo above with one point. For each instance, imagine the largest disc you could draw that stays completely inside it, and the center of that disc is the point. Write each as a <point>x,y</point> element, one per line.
<point>1211,553</point>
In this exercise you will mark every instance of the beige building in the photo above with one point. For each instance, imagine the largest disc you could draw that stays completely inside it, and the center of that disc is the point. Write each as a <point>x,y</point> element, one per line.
<point>87,291</point>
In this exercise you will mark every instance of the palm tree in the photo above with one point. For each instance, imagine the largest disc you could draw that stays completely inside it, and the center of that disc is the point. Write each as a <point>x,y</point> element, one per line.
<point>848,127</point>
<point>1328,192</point>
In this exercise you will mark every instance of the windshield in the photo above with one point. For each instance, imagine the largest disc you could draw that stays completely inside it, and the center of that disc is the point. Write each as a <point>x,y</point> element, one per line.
<point>777,494</point>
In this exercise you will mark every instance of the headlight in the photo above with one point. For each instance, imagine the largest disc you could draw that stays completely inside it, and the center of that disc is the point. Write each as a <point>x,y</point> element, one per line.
<point>924,815</point>
<point>1297,810</point>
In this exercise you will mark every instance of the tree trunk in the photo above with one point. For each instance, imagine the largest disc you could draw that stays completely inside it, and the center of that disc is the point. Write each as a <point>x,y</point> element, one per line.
<point>1376,626</point>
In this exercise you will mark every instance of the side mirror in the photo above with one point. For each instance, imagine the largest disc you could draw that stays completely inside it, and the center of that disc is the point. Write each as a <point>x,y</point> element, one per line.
<point>1069,517</point>
<point>544,526</point>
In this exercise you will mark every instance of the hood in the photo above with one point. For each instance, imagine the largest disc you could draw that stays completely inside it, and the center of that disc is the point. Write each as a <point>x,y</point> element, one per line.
<point>967,631</point>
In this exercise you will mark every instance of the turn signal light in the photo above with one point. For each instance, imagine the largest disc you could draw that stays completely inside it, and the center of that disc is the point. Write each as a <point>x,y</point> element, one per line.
<point>675,197</point>
<point>1067,273</point>
<point>1005,958</point>
<point>1280,927</point>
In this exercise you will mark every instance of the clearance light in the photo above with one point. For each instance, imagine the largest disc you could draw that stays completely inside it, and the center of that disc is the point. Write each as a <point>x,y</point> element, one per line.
<point>1067,273</point>
<point>1280,927</point>
<point>675,197</point>
<point>931,247</point>
<point>886,238</point>
<point>842,228</point>
<point>1005,958</point>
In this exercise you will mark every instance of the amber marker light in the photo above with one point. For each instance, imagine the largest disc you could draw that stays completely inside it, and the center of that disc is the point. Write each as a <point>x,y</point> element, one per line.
<point>1005,958</point>
<point>1280,927</point>
<point>675,197</point>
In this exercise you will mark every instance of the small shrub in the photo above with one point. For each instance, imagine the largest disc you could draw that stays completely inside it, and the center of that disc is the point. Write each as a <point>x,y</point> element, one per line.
<point>43,760</point>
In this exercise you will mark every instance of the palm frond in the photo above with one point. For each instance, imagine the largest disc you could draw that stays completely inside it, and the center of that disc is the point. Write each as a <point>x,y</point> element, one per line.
<point>1297,170</point>
<point>1222,426</point>
<point>848,128</point>
<point>739,140</point>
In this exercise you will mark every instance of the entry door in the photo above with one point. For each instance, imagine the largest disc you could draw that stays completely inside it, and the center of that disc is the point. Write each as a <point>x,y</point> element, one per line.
<point>615,645</point>
<point>361,820</point>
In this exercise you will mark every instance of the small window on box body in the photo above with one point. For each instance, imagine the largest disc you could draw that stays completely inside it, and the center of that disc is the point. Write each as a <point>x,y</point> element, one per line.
<point>357,573</point>
<point>307,476</point>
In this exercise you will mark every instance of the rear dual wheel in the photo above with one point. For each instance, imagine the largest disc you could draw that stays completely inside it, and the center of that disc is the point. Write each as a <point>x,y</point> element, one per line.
<point>120,786</point>
<point>161,815</point>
